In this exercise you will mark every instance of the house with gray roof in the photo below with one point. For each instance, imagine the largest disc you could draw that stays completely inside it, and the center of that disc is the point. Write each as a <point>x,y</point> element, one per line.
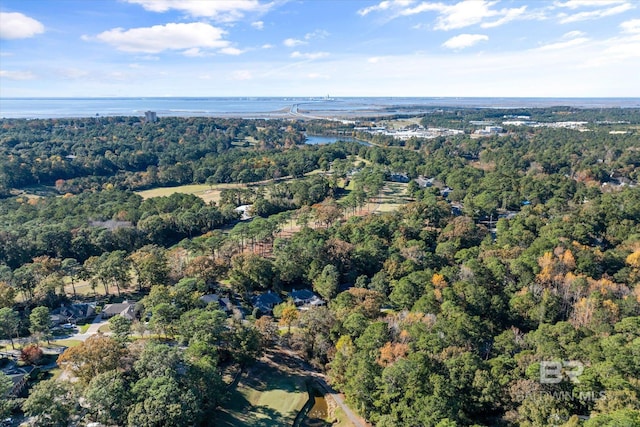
<point>266,301</point>
<point>306,298</point>
<point>125,309</point>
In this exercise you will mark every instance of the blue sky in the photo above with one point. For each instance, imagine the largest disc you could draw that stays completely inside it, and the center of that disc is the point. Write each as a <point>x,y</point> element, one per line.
<point>506,48</point>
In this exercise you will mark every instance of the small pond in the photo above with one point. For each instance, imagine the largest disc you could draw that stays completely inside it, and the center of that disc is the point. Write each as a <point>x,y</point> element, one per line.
<point>330,139</point>
<point>317,416</point>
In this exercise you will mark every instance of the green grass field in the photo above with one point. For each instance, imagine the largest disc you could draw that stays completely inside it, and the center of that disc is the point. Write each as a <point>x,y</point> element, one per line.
<point>208,193</point>
<point>268,395</point>
<point>65,343</point>
<point>392,197</point>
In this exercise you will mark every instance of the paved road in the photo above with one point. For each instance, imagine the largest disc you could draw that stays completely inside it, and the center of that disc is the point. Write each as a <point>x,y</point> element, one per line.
<point>293,111</point>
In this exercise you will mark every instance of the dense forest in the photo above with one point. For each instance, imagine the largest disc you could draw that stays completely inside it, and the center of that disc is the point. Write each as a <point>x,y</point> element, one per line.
<point>504,292</point>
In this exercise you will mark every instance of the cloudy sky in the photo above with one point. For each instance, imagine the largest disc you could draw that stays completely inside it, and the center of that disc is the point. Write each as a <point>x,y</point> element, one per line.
<point>506,48</point>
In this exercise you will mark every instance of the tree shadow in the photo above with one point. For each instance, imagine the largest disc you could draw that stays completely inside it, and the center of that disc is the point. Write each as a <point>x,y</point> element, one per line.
<point>245,414</point>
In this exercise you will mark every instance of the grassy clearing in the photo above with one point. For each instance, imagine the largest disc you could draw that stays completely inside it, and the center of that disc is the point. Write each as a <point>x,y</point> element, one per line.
<point>208,193</point>
<point>341,419</point>
<point>83,288</point>
<point>65,343</point>
<point>401,123</point>
<point>270,394</point>
<point>392,197</point>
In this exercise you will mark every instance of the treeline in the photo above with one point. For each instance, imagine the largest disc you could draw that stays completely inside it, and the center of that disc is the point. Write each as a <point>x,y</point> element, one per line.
<point>52,151</point>
<point>92,223</point>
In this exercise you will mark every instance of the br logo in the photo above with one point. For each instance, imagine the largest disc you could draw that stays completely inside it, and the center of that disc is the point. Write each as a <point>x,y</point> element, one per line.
<point>555,371</point>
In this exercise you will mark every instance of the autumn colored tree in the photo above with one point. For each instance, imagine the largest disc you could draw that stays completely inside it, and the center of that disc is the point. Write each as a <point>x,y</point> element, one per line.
<point>31,354</point>
<point>289,316</point>
<point>94,356</point>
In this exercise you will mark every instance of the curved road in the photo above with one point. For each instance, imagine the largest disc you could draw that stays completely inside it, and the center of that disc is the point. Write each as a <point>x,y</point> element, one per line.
<point>293,111</point>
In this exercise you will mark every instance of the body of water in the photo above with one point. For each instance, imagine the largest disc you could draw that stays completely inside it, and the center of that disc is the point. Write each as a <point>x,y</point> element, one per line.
<point>329,139</point>
<point>275,107</point>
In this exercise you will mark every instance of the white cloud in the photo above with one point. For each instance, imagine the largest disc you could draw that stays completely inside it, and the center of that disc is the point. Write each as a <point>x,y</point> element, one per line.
<point>623,49</point>
<point>465,13</point>
<point>194,52</point>
<point>293,42</point>
<point>242,75</point>
<point>632,26</point>
<point>317,34</point>
<point>575,4</point>
<point>464,40</point>
<point>18,26</point>
<point>509,15</point>
<point>424,7</point>
<point>615,50</point>
<point>568,40</point>
<point>148,58</point>
<point>309,55</point>
<point>565,44</point>
<point>374,60</point>
<point>573,35</point>
<point>594,14</point>
<point>17,75</point>
<point>385,5</point>
<point>221,10</point>
<point>267,46</point>
<point>258,25</point>
<point>159,38</point>
<point>454,16</point>
<point>231,51</point>
<point>316,76</point>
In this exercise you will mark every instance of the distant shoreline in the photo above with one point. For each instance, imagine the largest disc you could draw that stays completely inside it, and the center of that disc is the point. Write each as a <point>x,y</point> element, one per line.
<point>279,108</point>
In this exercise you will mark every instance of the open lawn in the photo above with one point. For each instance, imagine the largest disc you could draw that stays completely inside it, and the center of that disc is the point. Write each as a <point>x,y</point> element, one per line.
<point>400,123</point>
<point>392,197</point>
<point>64,343</point>
<point>271,393</point>
<point>341,419</point>
<point>208,193</point>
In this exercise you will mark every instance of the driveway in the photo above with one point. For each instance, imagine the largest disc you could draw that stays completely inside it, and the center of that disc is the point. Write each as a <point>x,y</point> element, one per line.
<point>93,329</point>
